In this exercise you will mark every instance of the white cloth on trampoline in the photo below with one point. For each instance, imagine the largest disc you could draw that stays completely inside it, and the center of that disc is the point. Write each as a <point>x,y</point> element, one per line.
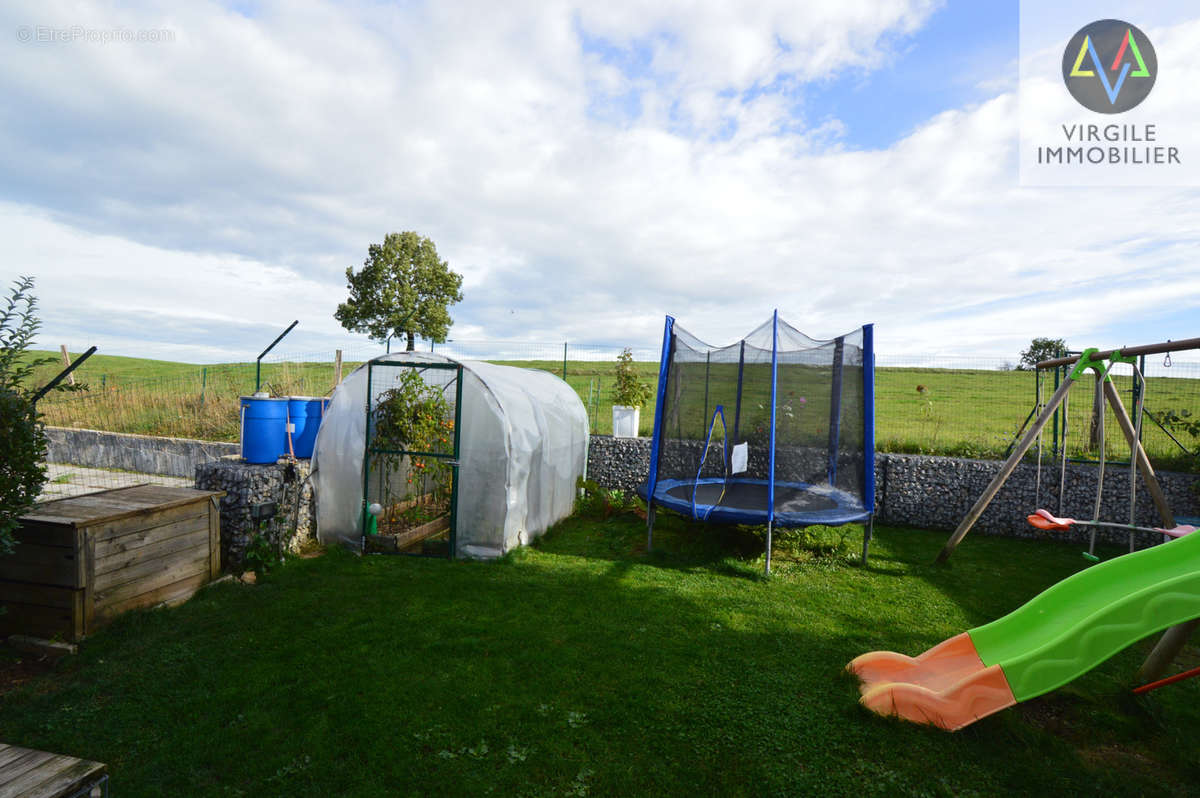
<point>739,458</point>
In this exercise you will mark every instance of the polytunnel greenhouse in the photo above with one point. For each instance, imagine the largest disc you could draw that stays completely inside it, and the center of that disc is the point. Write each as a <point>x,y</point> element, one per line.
<point>423,454</point>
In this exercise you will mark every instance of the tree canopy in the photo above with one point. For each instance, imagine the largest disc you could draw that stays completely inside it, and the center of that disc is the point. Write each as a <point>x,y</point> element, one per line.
<point>403,289</point>
<point>1041,349</point>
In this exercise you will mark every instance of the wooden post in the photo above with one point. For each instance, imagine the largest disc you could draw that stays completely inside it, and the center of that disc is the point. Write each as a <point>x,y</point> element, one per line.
<point>1167,649</point>
<point>337,368</point>
<point>1006,470</point>
<point>1127,351</point>
<point>1143,462</point>
<point>67,362</point>
<point>1175,638</point>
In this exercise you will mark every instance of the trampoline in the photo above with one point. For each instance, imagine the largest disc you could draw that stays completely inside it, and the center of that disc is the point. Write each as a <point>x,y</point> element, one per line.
<point>776,429</point>
<point>743,502</point>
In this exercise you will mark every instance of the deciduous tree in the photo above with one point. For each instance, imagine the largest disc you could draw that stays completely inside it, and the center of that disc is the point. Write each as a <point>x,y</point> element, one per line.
<point>403,289</point>
<point>1041,349</point>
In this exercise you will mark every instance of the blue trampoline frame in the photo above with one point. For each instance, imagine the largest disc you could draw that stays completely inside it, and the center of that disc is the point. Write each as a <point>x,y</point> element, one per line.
<point>847,511</point>
<point>849,508</point>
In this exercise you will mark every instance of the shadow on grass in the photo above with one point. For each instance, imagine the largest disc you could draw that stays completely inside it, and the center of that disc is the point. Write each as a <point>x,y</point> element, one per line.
<point>683,544</point>
<point>679,544</point>
<point>568,669</point>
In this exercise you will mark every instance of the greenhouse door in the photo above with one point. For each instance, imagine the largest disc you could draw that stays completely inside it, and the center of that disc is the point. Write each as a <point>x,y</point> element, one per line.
<point>410,462</point>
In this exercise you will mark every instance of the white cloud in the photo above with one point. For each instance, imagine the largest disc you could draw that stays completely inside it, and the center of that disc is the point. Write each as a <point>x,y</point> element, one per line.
<point>226,180</point>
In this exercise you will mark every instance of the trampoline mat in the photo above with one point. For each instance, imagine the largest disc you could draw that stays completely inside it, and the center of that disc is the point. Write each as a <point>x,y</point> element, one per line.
<point>752,497</point>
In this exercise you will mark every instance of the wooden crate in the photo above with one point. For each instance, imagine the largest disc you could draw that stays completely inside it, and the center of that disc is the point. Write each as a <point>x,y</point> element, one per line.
<point>83,560</point>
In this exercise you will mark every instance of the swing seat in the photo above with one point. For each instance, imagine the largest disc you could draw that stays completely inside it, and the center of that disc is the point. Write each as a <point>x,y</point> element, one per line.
<point>1043,519</point>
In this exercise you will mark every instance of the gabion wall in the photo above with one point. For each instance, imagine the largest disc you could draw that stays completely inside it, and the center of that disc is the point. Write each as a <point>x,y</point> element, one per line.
<point>936,492</point>
<point>275,499</point>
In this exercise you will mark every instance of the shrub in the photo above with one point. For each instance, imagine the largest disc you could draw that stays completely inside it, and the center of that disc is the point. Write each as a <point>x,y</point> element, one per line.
<point>21,471</point>
<point>629,391</point>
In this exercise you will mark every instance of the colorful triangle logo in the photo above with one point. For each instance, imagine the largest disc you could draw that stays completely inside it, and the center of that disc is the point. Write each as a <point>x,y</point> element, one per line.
<point>1076,72</point>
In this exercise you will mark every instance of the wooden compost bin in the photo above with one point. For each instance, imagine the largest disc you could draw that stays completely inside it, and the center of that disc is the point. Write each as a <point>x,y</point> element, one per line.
<point>83,560</point>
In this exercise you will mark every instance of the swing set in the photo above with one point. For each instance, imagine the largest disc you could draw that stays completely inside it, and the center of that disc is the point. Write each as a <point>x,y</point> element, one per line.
<point>1043,519</point>
<point>1101,363</point>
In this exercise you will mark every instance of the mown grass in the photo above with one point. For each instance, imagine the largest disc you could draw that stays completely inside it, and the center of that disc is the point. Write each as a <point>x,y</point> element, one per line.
<point>585,666</point>
<point>966,413</point>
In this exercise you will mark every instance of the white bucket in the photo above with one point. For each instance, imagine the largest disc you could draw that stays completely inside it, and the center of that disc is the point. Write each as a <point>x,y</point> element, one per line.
<point>625,421</point>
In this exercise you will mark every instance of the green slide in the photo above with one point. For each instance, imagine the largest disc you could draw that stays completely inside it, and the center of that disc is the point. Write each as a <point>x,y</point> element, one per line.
<point>1083,620</point>
<point>1059,635</point>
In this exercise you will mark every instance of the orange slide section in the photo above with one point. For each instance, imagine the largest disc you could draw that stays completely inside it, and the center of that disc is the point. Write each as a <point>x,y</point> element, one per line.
<point>948,685</point>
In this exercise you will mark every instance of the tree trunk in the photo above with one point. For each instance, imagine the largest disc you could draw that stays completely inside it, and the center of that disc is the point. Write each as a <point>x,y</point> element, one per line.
<point>412,341</point>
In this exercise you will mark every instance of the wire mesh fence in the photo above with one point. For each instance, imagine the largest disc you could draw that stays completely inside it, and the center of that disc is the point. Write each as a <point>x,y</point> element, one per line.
<point>973,413</point>
<point>957,406</point>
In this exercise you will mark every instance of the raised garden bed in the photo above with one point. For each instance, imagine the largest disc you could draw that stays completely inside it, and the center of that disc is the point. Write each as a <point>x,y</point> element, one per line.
<point>83,560</point>
<point>413,526</point>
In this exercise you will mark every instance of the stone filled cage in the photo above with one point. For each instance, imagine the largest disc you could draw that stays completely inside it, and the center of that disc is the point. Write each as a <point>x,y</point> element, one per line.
<point>420,453</point>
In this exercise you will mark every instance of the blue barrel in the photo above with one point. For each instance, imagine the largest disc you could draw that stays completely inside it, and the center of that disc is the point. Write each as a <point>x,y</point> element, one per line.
<point>304,418</point>
<point>264,428</point>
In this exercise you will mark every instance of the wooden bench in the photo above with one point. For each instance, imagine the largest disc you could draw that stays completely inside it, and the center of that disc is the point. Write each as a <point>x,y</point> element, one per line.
<point>26,773</point>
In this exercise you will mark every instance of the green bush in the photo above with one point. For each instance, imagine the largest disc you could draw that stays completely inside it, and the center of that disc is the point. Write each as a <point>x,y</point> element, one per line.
<point>21,471</point>
<point>629,390</point>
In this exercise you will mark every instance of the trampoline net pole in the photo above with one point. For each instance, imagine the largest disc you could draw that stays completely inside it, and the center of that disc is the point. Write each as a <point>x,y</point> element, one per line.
<point>668,351</point>
<point>768,568</point>
<point>868,529</point>
<point>737,411</point>
<point>835,409</point>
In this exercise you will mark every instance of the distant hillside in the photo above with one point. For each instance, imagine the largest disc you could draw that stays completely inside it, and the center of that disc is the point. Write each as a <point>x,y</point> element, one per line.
<point>116,367</point>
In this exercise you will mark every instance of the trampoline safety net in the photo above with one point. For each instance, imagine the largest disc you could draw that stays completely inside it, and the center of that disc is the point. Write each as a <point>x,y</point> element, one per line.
<point>777,428</point>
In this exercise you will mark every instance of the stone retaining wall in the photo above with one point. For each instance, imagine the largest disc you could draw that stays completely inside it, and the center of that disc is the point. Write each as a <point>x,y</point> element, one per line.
<point>176,457</point>
<point>936,492</point>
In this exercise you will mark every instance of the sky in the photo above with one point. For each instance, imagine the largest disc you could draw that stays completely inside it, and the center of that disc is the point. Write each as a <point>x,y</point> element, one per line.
<point>587,168</point>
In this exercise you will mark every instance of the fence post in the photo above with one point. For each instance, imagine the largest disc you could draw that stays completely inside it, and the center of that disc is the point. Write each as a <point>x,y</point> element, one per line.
<point>591,391</point>
<point>337,368</point>
<point>67,362</point>
<point>203,383</point>
<point>1098,408</point>
<point>564,361</point>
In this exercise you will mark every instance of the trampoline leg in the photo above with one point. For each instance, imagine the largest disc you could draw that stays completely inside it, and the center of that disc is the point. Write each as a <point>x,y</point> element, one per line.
<point>867,532</point>
<point>768,570</point>
<point>650,528</point>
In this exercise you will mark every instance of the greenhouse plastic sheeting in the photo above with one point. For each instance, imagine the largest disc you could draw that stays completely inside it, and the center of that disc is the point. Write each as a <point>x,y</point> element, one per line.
<point>523,446</point>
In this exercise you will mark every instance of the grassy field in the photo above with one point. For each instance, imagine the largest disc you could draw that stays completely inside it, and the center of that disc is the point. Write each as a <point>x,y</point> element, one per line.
<point>969,413</point>
<point>585,667</point>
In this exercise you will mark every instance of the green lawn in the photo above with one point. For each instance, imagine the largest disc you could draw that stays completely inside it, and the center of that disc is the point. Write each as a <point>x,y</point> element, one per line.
<point>584,666</point>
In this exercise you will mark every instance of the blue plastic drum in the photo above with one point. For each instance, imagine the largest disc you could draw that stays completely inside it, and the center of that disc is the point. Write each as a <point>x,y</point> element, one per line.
<point>304,417</point>
<point>264,428</point>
